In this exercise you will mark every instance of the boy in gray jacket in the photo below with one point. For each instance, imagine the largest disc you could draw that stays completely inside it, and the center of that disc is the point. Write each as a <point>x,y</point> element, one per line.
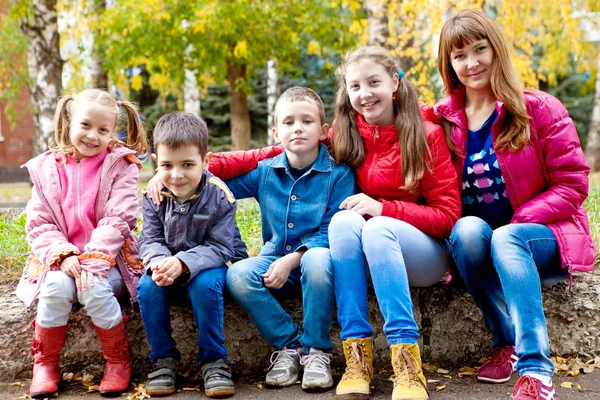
<point>187,243</point>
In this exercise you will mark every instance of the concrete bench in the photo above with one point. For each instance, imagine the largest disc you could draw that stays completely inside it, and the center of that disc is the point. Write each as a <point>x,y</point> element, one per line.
<point>451,327</point>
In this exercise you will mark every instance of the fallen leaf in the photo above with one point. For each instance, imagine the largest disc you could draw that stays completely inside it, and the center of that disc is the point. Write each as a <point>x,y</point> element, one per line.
<point>87,379</point>
<point>588,369</point>
<point>16,384</point>
<point>246,371</point>
<point>466,371</point>
<point>440,387</point>
<point>433,380</point>
<point>67,377</point>
<point>442,371</point>
<point>573,373</point>
<point>259,386</point>
<point>567,385</point>
<point>447,376</point>
<point>93,388</point>
<point>190,389</point>
<point>429,367</point>
<point>579,388</point>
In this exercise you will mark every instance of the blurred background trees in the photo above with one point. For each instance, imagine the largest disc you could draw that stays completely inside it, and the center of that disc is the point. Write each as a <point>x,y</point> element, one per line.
<point>238,55</point>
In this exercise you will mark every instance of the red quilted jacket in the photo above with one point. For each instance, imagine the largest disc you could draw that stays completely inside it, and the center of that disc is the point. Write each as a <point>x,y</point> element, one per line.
<point>547,180</point>
<point>433,207</point>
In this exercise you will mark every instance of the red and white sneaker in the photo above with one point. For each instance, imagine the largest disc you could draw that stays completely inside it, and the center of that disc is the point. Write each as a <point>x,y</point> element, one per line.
<point>499,366</point>
<point>530,388</point>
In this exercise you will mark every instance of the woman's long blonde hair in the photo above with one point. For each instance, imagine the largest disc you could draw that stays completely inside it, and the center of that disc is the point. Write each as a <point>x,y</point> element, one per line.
<point>468,26</point>
<point>348,144</point>
<point>136,137</point>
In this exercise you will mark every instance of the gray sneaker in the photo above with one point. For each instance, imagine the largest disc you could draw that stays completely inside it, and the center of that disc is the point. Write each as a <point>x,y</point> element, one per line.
<point>162,380</point>
<point>284,369</point>
<point>317,371</point>
<point>217,379</point>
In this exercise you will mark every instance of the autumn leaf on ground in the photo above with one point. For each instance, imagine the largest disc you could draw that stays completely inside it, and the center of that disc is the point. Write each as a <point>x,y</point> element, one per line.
<point>433,380</point>
<point>442,371</point>
<point>466,371</point>
<point>191,389</point>
<point>440,387</point>
<point>567,385</point>
<point>139,393</point>
<point>67,377</point>
<point>429,367</point>
<point>259,386</point>
<point>93,388</point>
<point>16,384</point>
<point>87,380</point>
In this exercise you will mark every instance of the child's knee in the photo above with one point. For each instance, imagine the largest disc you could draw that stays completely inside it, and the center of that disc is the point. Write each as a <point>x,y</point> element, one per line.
<point>242,278</point>
<point>317,267</point>
<point>58,285</point>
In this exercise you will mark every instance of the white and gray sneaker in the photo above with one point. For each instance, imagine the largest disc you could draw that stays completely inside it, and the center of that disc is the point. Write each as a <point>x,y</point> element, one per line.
<point>285,367</point>
<point>317,371</point>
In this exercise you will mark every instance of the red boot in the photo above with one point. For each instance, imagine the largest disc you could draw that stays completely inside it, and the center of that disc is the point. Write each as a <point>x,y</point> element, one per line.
<point>115,349</point>
<point>46,346</point>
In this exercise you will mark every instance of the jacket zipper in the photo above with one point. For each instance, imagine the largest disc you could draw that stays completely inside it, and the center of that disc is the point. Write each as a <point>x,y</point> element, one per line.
<point>377,132</point>
<point>78,201</point>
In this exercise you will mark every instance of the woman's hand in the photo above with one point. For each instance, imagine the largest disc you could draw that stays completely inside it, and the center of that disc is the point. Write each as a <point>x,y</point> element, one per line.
<point>362,204</point>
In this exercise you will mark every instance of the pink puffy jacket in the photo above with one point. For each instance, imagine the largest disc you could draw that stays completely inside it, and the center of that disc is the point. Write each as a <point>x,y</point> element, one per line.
<point>547,180</point>
<point>112,240</point>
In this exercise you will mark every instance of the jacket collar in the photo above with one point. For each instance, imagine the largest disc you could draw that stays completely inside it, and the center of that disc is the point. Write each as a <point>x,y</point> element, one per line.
<point>323,163</point>
<point>452,108</point>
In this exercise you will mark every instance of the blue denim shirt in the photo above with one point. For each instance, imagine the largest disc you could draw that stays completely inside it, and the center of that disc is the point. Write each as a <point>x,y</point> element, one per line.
<point>296,213</point>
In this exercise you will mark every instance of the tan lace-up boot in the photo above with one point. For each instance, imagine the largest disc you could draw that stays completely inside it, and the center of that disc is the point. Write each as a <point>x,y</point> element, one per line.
<point>356,381</point>
<point>409,381</point>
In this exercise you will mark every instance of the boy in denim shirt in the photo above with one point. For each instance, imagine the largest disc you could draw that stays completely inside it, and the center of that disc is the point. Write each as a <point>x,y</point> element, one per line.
<point>298,192</point>
<point>187,243</point>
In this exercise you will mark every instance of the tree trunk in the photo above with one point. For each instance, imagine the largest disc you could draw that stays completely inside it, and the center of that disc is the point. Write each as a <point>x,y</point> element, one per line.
<point>99,76</point>
<point>592,150</point>
<point>273,92</point>
<point>238,107</point>
<point>191,93</point>
<point>45,69</point>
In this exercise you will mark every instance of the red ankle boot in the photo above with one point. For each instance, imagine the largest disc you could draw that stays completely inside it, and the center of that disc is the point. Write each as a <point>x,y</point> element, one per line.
<point>45,348</point>
<point>115,349</point>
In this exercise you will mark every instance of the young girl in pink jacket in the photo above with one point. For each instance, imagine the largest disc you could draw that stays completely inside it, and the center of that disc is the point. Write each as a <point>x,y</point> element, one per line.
<point>524,179</point>
<point>83,208</point>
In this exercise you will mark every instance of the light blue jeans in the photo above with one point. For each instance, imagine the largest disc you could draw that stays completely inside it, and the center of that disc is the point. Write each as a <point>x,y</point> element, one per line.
<point>313,277</point>
<point>59,292</point>
<point>398,256</point>
<point>504,270</point>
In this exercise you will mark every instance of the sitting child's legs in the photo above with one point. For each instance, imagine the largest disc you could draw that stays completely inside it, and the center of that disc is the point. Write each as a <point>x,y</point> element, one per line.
<point>100,301</point>
<point>317,299</point>
<point>57,295</point>
<point>245,283</point>
<point>205,292</point>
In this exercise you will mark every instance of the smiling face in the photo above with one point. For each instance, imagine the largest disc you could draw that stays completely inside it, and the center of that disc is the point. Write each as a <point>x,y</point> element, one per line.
<point>473,65</point>
<point>370,88</point>
<point>299,130</point>
<point>91,129</point>
<point>181,169</point>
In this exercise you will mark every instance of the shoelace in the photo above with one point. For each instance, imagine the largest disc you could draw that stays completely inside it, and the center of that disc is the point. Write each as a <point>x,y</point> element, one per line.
<point>526,386</point>
<point>357,363</point>
<point>500,355</point>
<point>282,359</point>
<point>315,362</point>
<point>407,369</point>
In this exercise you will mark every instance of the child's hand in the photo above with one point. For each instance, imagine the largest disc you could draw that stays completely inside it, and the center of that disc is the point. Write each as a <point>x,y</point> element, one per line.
<point>362,204</point>
<point>279,271</point>
<point>85,280</point>
<point>70,266</point>
<point>166,271</point>
<point>153,189</point>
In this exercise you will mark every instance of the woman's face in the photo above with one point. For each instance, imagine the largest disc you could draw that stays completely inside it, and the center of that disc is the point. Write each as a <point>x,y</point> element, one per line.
<point>473,65</point>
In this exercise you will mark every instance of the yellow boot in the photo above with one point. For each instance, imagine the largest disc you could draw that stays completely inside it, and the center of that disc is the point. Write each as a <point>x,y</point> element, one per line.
<point>356,381</point>
<point>409,381</point>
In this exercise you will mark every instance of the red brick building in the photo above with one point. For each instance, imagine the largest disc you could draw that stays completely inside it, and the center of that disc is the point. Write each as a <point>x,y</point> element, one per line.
<point>16,145</point>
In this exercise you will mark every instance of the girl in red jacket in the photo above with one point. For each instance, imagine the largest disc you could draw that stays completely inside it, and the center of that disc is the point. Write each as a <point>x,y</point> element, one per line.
<point>524,180</point>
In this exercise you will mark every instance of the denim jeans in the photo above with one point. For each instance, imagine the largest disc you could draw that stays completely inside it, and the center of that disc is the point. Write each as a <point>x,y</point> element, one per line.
<point>313,277</point>
<point>504,270</point>
<point>59,292</point>
<point>398,256</point>
<point>205,292</point>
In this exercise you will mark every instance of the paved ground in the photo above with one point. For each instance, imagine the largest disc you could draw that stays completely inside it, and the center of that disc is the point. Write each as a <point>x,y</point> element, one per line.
<point>466,388</point>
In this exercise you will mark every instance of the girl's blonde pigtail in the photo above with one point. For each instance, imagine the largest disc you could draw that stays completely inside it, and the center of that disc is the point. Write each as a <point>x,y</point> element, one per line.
<point>62,125</point>
<point>136,134</point>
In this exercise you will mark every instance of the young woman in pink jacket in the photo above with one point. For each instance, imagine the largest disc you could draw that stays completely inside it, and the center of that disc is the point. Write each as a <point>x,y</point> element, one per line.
<point>83,208</point>
<point>524,179</point>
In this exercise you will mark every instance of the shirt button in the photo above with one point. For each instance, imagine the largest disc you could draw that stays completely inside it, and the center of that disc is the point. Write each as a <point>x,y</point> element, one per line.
<point>290,225</point>
<point>182,209</point>
<point>288,247</point>
<point>294,197</point>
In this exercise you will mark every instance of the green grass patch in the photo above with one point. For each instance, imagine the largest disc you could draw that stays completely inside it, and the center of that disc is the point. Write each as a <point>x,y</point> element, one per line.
<point>13,247</point>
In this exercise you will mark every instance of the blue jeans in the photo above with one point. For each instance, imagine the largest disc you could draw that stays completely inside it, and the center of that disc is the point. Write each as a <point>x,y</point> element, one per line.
<point>313,277</point>
<point>398,255</point>
<point>504,270</point>
<point>205,292</point>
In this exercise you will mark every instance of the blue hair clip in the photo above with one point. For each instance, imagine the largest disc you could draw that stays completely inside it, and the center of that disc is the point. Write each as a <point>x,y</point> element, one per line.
<point>400,74</point>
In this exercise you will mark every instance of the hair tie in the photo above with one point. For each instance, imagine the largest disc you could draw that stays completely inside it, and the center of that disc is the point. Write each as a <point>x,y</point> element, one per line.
<point>400,74</point>
<point>119,104</point>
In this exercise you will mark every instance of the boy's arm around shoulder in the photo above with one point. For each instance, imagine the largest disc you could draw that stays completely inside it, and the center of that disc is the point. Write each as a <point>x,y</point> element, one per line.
<point>343,184</point>
<point>153,247</point>
<point>230,164</point>
<point>218,248</point>
<point>247,185</point>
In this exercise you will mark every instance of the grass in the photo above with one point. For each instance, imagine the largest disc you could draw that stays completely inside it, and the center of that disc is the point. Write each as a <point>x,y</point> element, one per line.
<point>14,248</point>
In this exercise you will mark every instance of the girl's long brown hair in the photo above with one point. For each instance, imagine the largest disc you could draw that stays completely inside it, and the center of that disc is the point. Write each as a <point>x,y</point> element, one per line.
<point>136,136</point>
<point>468,26</point>
<point>348,144</point>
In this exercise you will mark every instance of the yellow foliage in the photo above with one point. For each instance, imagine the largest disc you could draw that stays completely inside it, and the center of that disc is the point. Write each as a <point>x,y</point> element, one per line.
<point>314,48</point>
<point>136,83</point>
<point>241,50</point>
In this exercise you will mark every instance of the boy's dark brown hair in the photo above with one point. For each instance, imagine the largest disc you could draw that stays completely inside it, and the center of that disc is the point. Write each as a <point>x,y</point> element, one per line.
<point>178,129</point>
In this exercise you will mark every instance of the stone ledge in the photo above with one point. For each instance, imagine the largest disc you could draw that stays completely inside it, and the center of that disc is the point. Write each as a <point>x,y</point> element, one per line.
<point>452,330</point>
